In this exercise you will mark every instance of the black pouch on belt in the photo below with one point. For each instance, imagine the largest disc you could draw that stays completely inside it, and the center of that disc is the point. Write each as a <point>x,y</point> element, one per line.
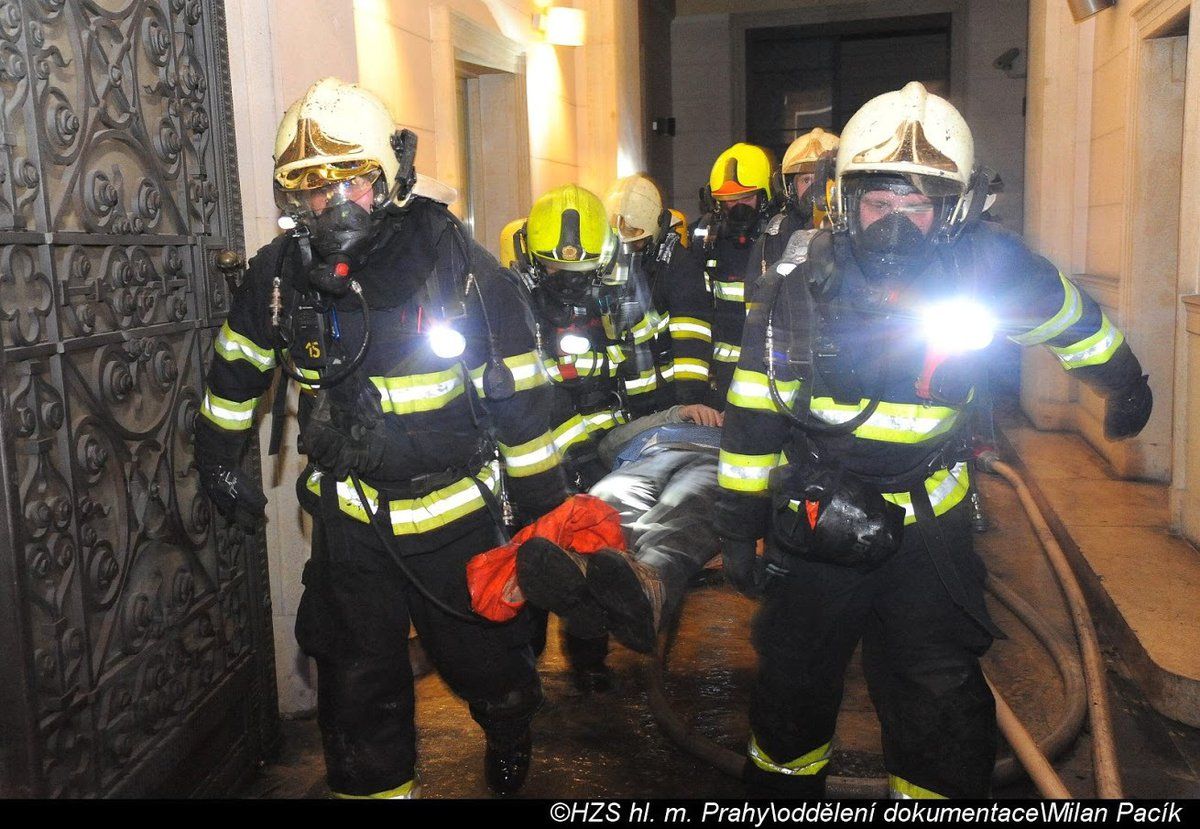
<point>824,513</point>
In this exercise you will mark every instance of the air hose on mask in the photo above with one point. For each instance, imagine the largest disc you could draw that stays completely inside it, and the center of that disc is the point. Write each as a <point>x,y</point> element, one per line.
<point>283,350</point>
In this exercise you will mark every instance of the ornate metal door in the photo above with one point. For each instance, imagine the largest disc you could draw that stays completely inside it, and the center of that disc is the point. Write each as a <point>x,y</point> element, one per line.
<point>135,630</point>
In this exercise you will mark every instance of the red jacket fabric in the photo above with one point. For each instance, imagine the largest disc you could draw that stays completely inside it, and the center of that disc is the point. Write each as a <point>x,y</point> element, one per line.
<point>582,523</point>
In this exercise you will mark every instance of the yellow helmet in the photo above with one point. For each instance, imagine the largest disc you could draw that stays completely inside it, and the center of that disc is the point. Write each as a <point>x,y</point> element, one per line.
<point>569,228</point>
<point>508,242</point>
<point>334,132</point>
<point>803,153</point>
<point>634,208</point>
<point>679,225</point>
<point>739,171</point>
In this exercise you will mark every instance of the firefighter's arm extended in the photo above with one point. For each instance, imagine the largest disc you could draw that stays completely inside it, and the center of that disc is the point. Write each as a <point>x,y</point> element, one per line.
<point>243,366</point>
<point>1043,307</point>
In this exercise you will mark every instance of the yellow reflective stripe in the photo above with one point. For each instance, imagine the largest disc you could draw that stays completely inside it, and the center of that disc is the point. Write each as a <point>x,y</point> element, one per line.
<point>232,415</point>
<point>745,473</point>
<point>687,368</point>
<point>310,373</point>
<point>527,370</point>
<point>419,392</point>
<point>752,390</point>
<point>1068,315</point>
<point>730,291</point>
<point>901,789</point>
<point>891,422</point>
<point>409,791</point>
<point>727,352</point>
<point>602,421</point>
<point>615,353</point>
<point>232,346</point>
<point>1094,350</point>
<point>646,328</point>
<point>531,457</point>
<point>690,328</point>
<point>589,364</point>
<point>664,323</point>
<point>646,381</point>
<point>668,373</point>
<point>803,766</point>
<point>569,433</point>
<point>946,488</point>
<point>411,516</point>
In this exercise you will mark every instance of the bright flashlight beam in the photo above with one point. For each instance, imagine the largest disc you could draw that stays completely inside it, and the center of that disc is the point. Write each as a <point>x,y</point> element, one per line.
<point>574,344</point>
<point>957,326</point>
<point>446,342</point>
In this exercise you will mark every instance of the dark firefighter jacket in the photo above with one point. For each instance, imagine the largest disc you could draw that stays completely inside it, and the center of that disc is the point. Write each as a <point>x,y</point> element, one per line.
<point>677,328</point>
<point>725,271</point>
<point>768,247</point>
<point>1031,301</point>
<point>437,424</point>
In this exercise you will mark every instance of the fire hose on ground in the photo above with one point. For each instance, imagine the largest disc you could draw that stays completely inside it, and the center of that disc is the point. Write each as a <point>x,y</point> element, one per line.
<point>1082,696</point>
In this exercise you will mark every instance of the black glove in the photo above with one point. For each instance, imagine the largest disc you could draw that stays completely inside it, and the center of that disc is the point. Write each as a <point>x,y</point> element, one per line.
<point>234,495</point>
<point>1127,410</point>
<point>347,438</point>
<point>744,570</point>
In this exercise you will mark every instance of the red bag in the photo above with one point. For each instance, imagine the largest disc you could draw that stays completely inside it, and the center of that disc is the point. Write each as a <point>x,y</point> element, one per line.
<point>582,523</point>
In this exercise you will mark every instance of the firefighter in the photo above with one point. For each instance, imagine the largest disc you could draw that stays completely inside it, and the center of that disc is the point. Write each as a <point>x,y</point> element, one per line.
<point>736,205</point>
<point>845,447</point>
<point>805,172</point>
<point>566,254</point>
<point>418,443</point>
<point>666,312</point>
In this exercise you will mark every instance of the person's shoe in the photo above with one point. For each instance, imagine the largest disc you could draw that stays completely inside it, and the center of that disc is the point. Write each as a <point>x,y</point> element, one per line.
<point>631,595</point>
<point>505,769</point>
<point>551,577</point>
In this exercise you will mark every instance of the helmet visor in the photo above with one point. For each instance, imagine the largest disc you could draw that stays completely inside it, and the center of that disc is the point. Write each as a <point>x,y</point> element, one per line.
<point>367,190</point>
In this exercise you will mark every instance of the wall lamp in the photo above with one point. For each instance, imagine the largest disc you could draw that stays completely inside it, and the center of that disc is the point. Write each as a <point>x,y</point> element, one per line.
<point>561,25</point>
<point>1083,9</point>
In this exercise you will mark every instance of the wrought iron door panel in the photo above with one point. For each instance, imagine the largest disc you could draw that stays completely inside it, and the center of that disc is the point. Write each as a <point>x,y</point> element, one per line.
<point>140,623</point>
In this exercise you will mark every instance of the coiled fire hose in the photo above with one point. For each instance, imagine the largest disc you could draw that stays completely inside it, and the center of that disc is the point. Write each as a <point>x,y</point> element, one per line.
<point>1033,756</point>
<point>1104,751</point>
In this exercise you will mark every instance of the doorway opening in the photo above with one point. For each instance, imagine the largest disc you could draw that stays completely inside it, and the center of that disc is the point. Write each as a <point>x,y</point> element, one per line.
<point>801,77</point>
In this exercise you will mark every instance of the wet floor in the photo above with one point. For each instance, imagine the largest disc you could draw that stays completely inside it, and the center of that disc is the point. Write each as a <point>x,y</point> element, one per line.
<point>609,745</point>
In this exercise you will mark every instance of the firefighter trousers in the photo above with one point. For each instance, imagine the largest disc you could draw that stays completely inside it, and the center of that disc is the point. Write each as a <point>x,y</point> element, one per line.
<point>920,655</point>
<point>666,500</point>
<point>354,620</point>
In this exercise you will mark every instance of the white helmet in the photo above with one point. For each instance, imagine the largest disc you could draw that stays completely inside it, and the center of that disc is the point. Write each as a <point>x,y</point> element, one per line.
<point>915,135</point>
<point>912,133</point>
<point>634,208</point>
<point>335,132</point>
<point>906,141</point>
<point>803,154</point>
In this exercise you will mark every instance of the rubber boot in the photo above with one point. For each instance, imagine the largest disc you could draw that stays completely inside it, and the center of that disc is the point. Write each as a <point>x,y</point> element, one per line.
<point>631,595</point>
<point>505,767</point>
<point>555,579</point>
